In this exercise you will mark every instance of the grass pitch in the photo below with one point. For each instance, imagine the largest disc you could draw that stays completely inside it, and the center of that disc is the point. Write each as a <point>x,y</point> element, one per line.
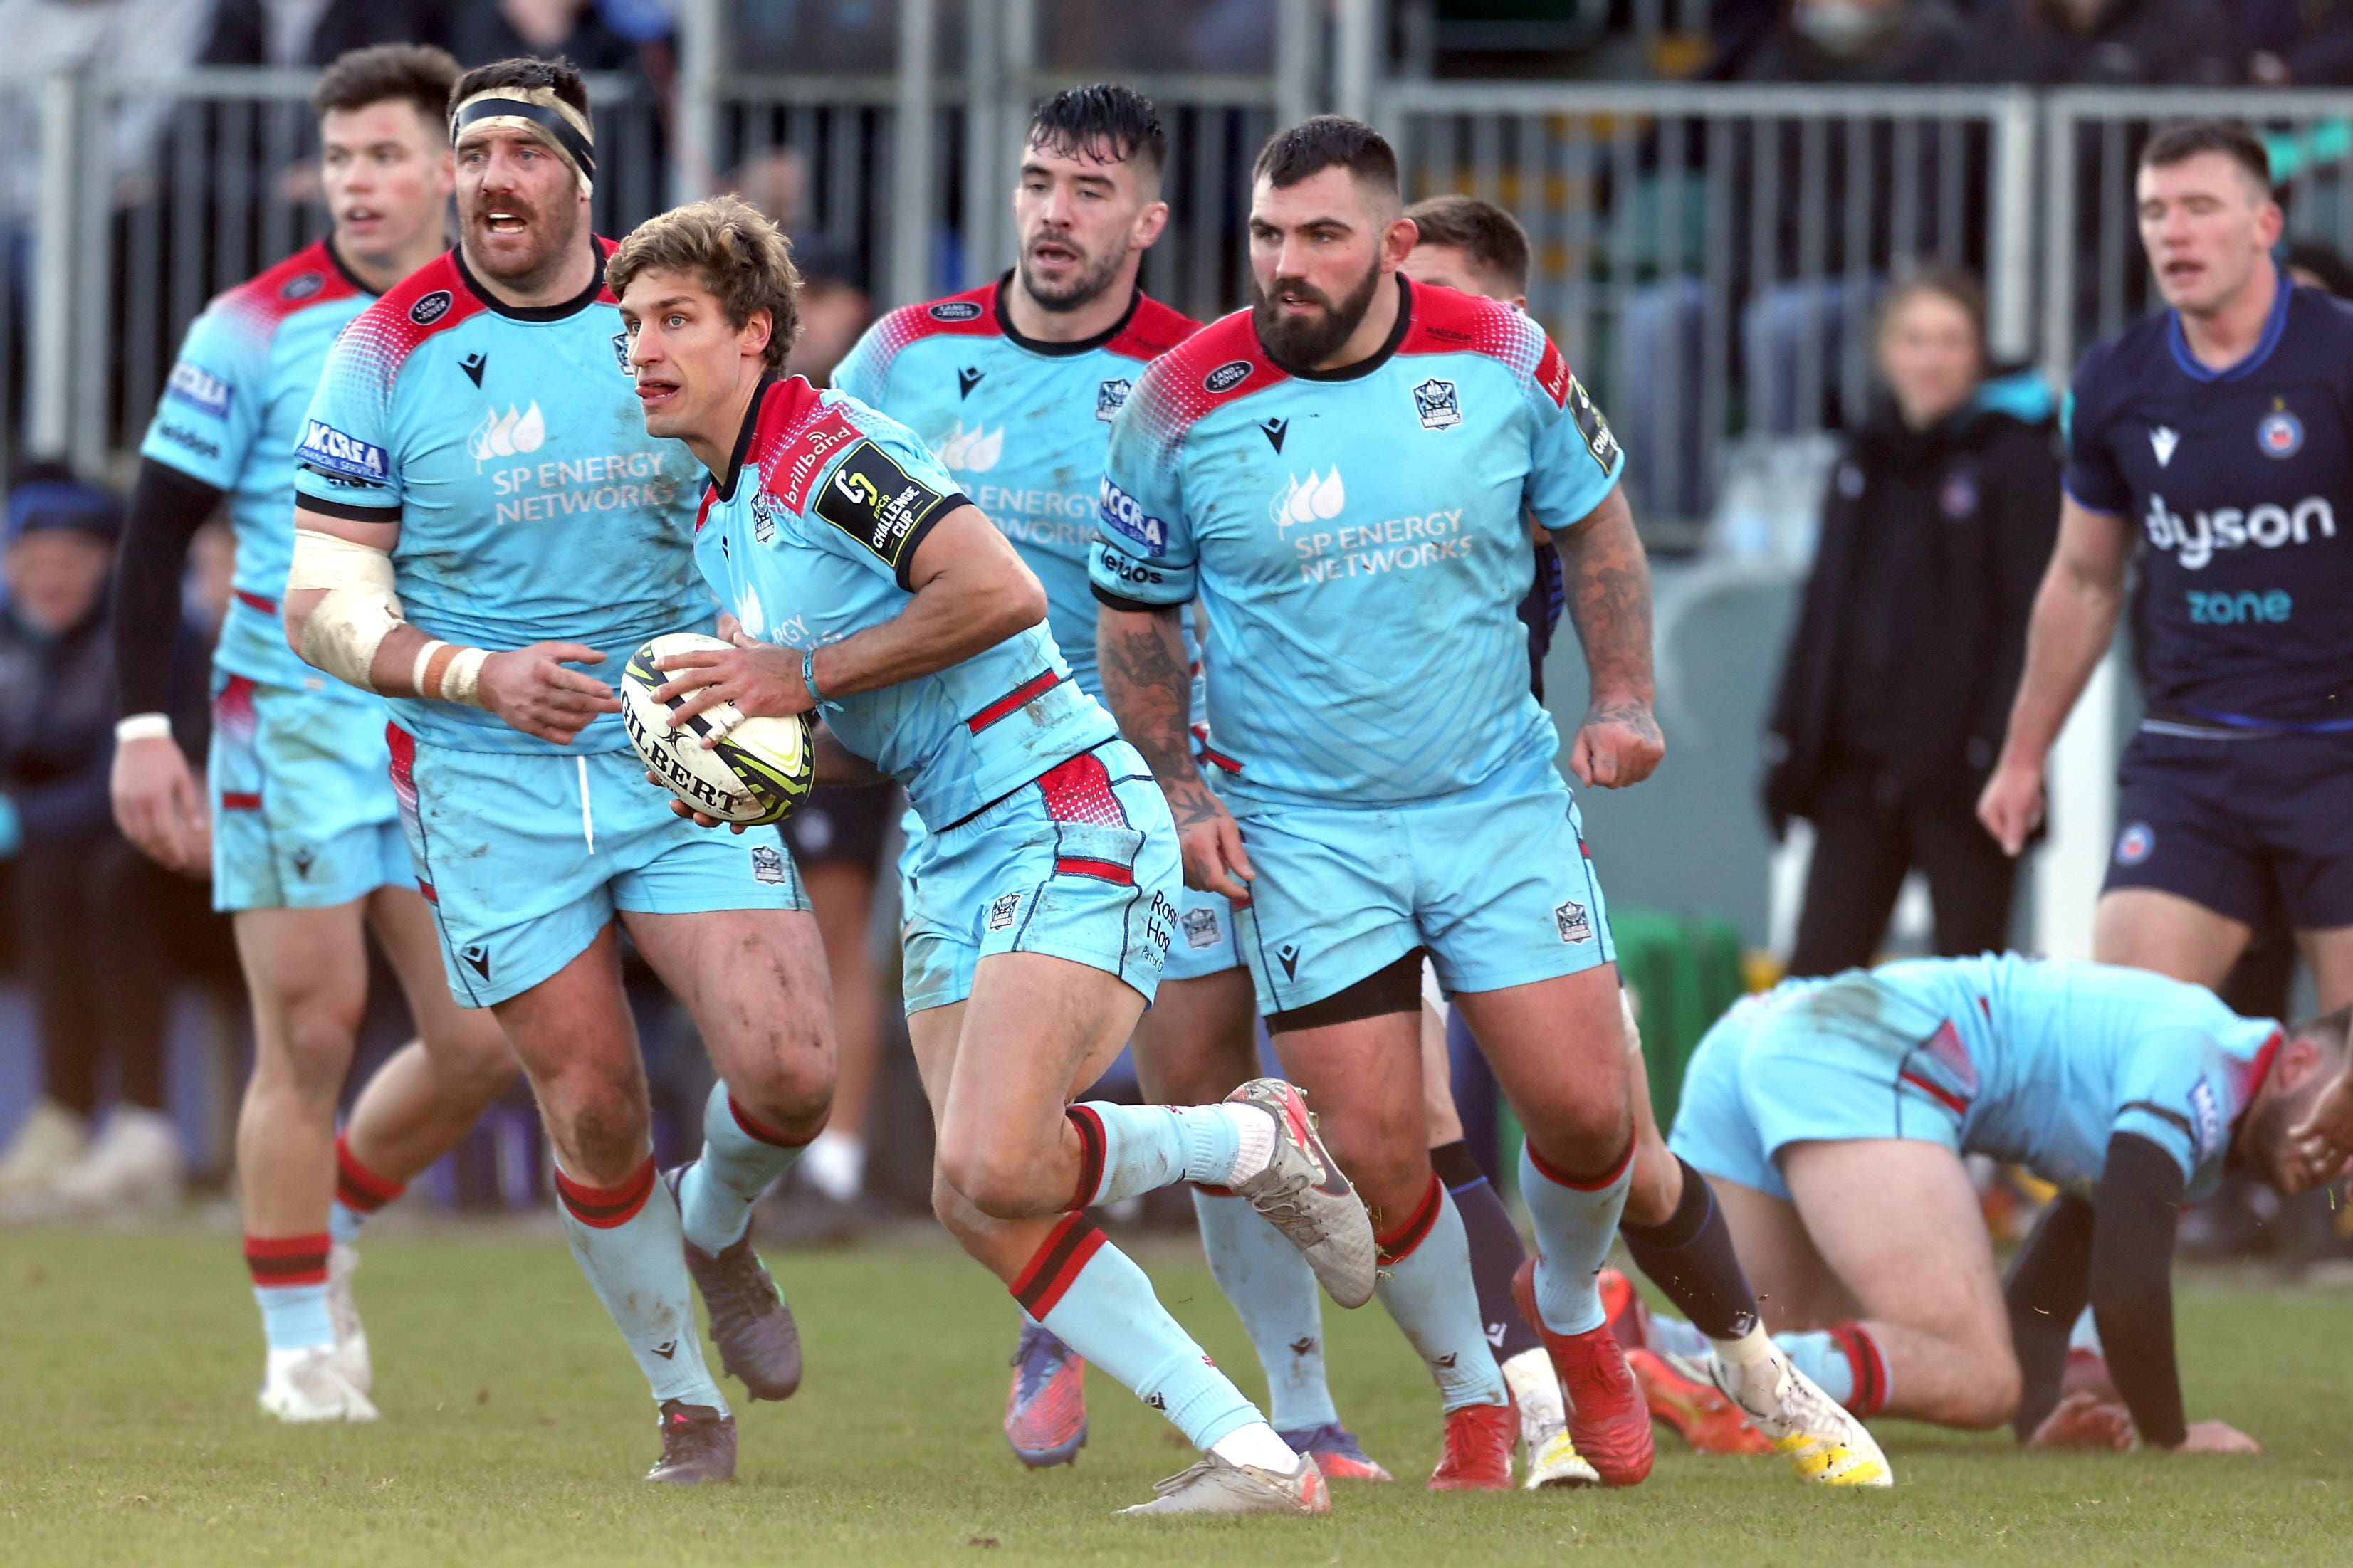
<point>514,1426</point>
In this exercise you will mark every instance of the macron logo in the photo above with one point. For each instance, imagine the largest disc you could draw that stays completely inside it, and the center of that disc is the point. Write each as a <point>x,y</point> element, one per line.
<point>2162,439</point>
<point>326,448</point>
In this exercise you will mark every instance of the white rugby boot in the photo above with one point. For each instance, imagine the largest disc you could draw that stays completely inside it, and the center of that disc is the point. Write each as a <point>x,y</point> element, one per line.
<point>351,1335</point>
<point>135,1163</point>
<point>1548,1454</point>
<point>1304,1195</point>
<point>1213,1485</point>
<point>305,1386</point>
<point>1821,1438</point>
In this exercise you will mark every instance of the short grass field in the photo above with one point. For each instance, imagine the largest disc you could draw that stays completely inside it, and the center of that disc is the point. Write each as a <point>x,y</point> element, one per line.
<point>514,1426</point>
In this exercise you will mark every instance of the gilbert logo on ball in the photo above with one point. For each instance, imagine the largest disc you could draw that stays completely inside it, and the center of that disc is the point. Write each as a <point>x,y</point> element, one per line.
<point>759,772</point>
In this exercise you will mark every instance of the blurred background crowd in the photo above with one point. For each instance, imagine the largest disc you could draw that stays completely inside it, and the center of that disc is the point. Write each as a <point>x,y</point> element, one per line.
<point>1789,287</point>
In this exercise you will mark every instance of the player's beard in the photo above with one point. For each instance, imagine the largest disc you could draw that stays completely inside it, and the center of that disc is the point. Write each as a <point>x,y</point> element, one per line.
<point>554,226</point>
<point>1306,341</point>
<point>1089,283</point>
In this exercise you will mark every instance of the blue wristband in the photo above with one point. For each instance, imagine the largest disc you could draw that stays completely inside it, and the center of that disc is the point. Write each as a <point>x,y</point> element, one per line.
<point>808,675</point>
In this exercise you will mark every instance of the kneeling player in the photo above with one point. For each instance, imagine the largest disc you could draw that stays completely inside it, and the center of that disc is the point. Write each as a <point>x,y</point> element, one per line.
<point>1047,889</point>
<point>1830,1117</point>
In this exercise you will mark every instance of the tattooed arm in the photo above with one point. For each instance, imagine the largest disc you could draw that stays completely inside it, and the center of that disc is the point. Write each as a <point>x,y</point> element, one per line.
<point>1608,581</point>
<point>1149,686</point>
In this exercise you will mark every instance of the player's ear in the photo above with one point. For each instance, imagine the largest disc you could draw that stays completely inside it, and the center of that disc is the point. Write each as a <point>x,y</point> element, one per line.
<point>752,343</point>
<point>1150,224</point>
<point>1397,241</point>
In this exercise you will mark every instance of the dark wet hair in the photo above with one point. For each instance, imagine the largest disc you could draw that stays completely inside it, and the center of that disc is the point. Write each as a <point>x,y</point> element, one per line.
<point>2179,143</point>
<point>1491,237</point>
<point>415,74</point>
<point>1327,142</point>
<point>524,70</point>
<point>1103,120</point>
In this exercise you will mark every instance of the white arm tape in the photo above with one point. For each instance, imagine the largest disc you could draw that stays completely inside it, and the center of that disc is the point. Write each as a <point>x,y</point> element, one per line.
<point>348,625</point>
<point>462,681</point>
<point>141,727</point>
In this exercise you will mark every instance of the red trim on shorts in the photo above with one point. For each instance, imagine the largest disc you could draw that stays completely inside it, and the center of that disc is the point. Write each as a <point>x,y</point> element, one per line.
<point>1944,1097</point>
<point>255,602</point>
<point>1581,1184</point>
<point>357,1186</point>
<point>1077,789</point>
<point>1396,1245</point>
<point>287,1259</point>
<point>752,1129</point>
<point>1092,1146</point>
<point>1218,759</point>
<point>1037,686</point>
<point>606,1208</point>
<point>240,800</point>
<point>426,889</point>
<point>1056,1265</point>
<point>1102,870</point>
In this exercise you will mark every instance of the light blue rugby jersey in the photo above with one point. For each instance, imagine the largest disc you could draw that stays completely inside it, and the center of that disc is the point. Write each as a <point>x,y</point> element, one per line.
<point>511,447</point>
<point>1020,425</point>
<point>809,537</point>
<point>2046,1059</point>
<point>1359,540</point>
<point>229,418</point>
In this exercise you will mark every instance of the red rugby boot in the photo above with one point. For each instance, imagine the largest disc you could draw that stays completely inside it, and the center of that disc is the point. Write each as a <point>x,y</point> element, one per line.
<point>1608,1417</point>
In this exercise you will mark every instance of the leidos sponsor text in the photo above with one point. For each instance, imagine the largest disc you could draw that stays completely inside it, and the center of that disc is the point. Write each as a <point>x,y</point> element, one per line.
<point>539,492</point>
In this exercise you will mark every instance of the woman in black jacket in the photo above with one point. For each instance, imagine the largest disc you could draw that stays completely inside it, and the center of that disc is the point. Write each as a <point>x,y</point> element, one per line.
<point>1896,686</point>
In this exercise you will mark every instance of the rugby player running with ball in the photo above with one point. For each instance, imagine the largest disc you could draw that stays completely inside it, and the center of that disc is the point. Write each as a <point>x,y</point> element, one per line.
<point>869,589</point>
<point>478,513</point>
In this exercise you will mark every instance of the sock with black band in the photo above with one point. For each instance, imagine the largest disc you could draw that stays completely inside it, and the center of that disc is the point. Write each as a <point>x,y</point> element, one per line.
<point>289,1286</point>
<point>1496,1250</point>
<point>1690,1257</point>
<point>1128,1150</point>
<point>1847,1361</point>
<point>359,1192</point>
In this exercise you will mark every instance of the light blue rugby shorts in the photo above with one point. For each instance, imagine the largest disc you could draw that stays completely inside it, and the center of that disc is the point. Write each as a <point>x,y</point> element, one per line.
<point>525,858</point>
<point>302,816</point>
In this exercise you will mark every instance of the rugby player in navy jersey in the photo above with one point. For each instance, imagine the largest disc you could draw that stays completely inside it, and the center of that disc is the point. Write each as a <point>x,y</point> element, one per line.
<point>1014,385</point>
<point>2217,432</point>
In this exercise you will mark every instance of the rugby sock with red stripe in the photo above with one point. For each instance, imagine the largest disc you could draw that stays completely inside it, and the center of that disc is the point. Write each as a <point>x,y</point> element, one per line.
<point>1425,1283</point>
<point>1093,1297</point>
<point>1847,1361</point>
<point>290,1283</point>
<point>1274,1293</point>
<point>1576,1219</point>
<point>740,1159</point>
<point>1496,1249</point>
<point>1127,1151</point>
<point>627,1240</point>
<point>359,1192</point>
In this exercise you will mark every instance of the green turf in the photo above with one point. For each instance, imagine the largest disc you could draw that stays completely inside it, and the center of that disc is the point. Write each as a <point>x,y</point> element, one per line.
<point>515,1428</point>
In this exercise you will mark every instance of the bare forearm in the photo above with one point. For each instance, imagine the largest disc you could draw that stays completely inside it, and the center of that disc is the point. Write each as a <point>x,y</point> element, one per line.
<point>2075,616</point>
<point>945,623</point>
<point>1607,578</point>
<point>1148,684</point>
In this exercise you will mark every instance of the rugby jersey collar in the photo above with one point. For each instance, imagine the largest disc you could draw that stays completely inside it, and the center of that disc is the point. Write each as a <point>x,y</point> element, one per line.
<point>725,490</point>
<point>2274,328</point>
<point>1370,363</point>
<point>1060,351</point>
<point>556,312</point>
<point>343,268</point>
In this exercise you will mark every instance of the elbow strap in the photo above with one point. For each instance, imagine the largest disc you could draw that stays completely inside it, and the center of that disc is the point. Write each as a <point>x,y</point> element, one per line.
<point>347,628</point>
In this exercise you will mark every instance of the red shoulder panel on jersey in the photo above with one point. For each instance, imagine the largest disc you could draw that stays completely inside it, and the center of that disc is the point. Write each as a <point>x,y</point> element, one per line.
<point>605,248</point>
<point>1152,331</point>
<point>433,298</point>
<point>792,437</point>
<point>1447,320</point>
<point>1219,364</point>
<point>309,277</point>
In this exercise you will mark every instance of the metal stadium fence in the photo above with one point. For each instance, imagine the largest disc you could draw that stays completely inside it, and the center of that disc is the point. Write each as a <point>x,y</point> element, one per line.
<point>1708,257</point>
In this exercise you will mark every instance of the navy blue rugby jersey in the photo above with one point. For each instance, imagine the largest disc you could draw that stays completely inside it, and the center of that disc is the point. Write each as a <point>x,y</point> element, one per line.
<point>2240,481</point>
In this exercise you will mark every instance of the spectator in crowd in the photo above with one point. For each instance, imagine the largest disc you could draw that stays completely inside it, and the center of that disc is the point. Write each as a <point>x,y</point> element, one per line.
<point>2106,43</point>
<point>2297,43</point>
<point>1854,41</point>
<point>1896,686</point>
<point>488,30</point>
<point>313,32</point>
<point>74,901</point>
<point>46,37</point>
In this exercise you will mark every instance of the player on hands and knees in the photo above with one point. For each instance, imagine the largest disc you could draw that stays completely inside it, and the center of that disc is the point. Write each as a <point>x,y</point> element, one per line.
<point>1014,385</point>
<point>299,834</point>
<point>1320,468</point>
<point>1831,1118</point>
<point>2212,429</point>
<point>478,515</point>
<point>869,589</point>
<point>1672,1224</point>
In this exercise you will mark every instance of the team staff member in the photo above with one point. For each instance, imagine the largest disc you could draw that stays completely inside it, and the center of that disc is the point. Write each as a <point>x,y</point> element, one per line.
<point>1014,387</point>
<point>477,514</point>
<point>1046,894</point>
<point>1899,677</point>
<point>2214,430</point>
<point>305,842</point>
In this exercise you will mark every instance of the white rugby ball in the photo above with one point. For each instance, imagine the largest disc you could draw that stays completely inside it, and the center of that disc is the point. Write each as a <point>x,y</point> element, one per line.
<point>758,772</point>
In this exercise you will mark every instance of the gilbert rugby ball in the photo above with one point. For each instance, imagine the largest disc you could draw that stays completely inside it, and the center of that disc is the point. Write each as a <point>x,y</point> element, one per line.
<point>759,772</point>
